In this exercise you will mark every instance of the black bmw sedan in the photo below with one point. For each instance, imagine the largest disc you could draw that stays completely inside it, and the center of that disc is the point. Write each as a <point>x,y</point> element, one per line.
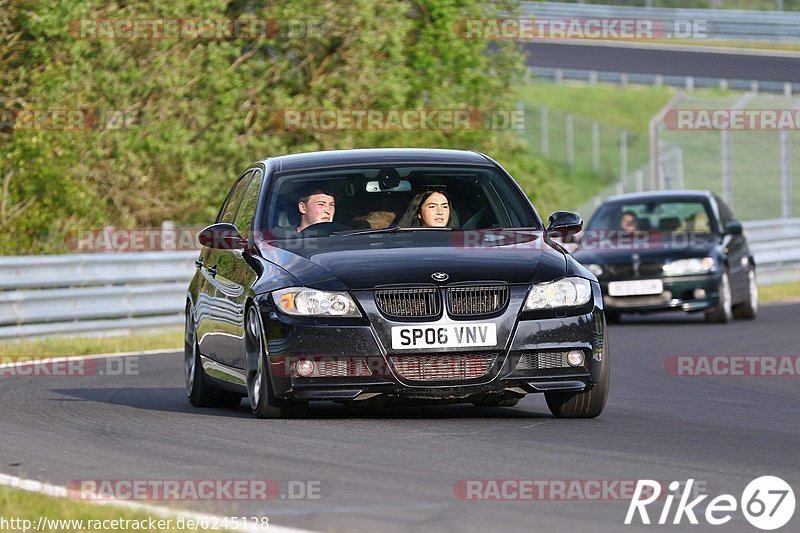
<point>390,276</point>
<point>670,250</point>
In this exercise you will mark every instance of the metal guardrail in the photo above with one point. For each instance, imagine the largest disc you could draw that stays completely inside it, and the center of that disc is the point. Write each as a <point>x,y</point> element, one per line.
<point>727,24</point>
<point>58,294</point>
<point>689,83</point>
<point>79,293</point>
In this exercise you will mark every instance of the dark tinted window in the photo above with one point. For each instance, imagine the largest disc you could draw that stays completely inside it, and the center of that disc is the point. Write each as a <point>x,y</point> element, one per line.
<point>725,213</point>
<point>656,215</point>
<point>234,198</point>
<point>479,197</point>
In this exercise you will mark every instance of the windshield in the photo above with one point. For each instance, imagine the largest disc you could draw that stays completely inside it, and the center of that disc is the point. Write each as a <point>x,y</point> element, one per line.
<point>356,200</point>
<point>659,216</point>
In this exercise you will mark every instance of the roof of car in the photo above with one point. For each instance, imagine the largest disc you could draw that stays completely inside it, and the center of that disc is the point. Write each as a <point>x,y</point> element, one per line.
<point>660,195</point>
<point>376,156</point>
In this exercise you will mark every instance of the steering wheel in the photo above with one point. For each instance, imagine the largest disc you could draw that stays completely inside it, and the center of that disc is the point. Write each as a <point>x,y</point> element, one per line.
<point>323,229</point>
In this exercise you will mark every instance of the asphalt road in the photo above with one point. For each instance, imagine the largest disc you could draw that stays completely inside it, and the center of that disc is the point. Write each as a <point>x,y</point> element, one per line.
<point>645,60</point>
<point>395,469</point>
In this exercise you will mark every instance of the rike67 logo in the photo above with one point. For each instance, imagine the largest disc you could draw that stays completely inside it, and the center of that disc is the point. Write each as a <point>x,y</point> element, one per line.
<point>767,502</point>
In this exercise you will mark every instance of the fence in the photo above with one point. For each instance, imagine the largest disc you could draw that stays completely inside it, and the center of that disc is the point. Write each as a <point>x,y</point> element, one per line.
<point>583,144</point>
<point>730,25</point>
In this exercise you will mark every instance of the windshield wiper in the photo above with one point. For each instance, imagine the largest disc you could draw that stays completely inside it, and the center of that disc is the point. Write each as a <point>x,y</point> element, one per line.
<point>391,228</point>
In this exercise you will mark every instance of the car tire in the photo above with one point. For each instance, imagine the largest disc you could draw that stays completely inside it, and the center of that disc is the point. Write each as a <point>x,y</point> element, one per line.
<point>263,403</point>
<point>723,313</point>
<point>749,308</point>
<point>584,404</point>
<point>198,390</point>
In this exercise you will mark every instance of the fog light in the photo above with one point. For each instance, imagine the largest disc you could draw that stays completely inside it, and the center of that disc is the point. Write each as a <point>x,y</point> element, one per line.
<point>304,368</point>
<point>699,294</point>
<point>575,358</point>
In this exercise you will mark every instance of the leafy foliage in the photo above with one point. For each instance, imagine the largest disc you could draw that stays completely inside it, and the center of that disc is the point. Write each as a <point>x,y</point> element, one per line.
<point>200,110</point>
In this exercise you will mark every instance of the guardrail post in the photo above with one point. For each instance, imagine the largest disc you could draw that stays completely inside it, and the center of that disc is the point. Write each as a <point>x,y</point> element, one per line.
<point>723,84</point>
<point>595,146</point>
<point>658,81</point>
<point>786,174</point>
<point>558,75</point>
<point>787,89</point>
<point>639,177</point>
<point>592,77</point>
<point>623,78</point>
<point>689,83</point>
<point>754,86</point>
<point>168,235</point>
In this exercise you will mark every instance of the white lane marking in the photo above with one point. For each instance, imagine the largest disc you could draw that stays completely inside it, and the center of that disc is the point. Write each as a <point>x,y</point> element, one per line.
<point>46,359</point>
<point>57,491</point>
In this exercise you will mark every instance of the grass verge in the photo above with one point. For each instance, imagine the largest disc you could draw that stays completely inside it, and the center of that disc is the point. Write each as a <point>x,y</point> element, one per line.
<point>780,292</point>
<point>66,346</point>
<point>27,508</point>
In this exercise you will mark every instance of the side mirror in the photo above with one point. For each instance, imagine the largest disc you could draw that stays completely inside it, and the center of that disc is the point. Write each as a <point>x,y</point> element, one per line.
<point>222,236</point>
<point>565,224</point>
<point>734,227</point>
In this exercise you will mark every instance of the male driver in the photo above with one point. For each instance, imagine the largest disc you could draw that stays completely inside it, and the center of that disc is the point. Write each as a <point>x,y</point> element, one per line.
<point>315,205</point>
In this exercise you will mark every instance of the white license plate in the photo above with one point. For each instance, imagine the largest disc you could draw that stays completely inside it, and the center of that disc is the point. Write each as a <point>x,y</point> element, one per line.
<point>638,287</point>
<point>443,336</point>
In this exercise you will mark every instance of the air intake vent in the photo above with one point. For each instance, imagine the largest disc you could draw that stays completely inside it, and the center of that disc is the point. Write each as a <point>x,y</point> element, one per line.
<point>470,301</point>
<point>542,361</point>
<point>409,302</point>
<point>443,367</point>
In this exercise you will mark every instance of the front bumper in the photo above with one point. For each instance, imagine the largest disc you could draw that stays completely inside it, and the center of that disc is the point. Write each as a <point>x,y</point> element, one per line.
<point>678,295</point>
<point>367,343</point>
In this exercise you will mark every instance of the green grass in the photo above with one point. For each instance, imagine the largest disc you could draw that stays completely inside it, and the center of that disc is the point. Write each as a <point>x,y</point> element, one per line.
<point>66,346</point>
<point>30,506</point>
<point>756,154</point>
<point>781,292</point>
<point>614,108</point>
<point>625,107</point>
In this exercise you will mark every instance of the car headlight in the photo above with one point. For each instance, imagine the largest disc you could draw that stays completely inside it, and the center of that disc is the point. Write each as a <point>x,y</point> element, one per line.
<point>597,270</point>
<point>567,292</point>
<point>694,265</point>
<point>301,301</point>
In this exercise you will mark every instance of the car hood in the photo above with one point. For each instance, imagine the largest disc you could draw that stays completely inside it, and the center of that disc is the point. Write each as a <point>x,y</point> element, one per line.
<point>367,261</point>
